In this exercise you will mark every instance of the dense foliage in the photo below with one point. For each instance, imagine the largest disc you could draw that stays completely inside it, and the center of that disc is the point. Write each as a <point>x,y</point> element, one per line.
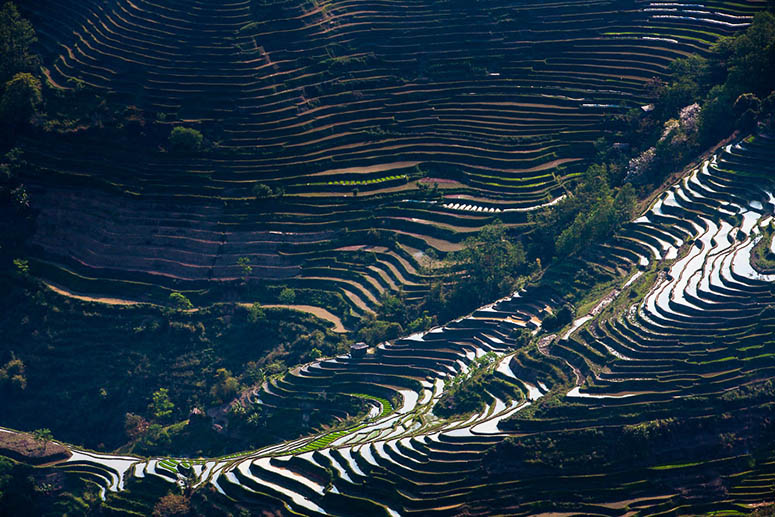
<point>591,213</point>
<point>16,39</point>
<point>184,139</point>
<point>705,99</point>
<point>470,391</point>
<point>155,365</point>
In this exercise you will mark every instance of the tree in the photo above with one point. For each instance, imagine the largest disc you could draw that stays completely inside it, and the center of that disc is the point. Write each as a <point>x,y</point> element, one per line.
<point>253,373</point>
<point>752,57</point>
<point>226,386</point>
<point>13,374</point>
<point>598,213</point>
<point>262,191</point>
<point>245,267</point>
<point>745,102</point>
<point>747,108</point>
<point>21,98</point>
<point>183,139</point>
<point>256,313</point>
<point>287,296</point>
<point>42,436</point>
<point>21,265</point>
<point>180,301</point>
<point>491,263</point>
<point>16,38</point>
<point>161,406</point>
<point>374,331</point>
<point>134,425</point>
<point>172,505</point>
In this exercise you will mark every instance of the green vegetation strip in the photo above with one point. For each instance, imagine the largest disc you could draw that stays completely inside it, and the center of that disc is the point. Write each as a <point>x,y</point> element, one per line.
<point>325,440</point>
<point>387,407</point>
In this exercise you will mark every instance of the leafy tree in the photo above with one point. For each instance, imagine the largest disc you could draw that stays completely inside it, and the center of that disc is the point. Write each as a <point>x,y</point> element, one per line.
<point>161,406</point>
<point>253,373</point>
<point>42,436</point>
<point>21,265</point>
<point>21,98</point>
<point>17,489</point>
<point>375,331</point>
<point>245,267</point>
<point>16,38</point>
<point>689,83</point>
<point>256,313</point>
<point>13,375</point>
<point>287,296</point>
<point>226,386</point>
<point>490,263</point>
<point>262,191</point>
<point>599,214</point>
<point>183,139</point>
<point>172,505</point>
<point>393,308</point>
<point>180,301</point>
<point>751,57</point>
<point>134,425</point>
<point>747,108</point>
<point>745,102</point>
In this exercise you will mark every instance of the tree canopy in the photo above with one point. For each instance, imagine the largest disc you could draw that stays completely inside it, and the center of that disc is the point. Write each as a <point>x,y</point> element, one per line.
<point>185,139</point>
<point>16,38</point>
<point>491,262</point>
<point>21,98</point>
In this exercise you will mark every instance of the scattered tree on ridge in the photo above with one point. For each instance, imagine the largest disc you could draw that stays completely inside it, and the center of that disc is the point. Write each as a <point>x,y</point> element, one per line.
<point>21,98</point>
<point>287,296</point>
<point>161,406</point>
<point>16,38</point>
<point>183,139</point>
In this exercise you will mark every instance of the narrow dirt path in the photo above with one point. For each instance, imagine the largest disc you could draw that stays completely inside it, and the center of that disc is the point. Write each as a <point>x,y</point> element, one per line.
<point>312,309</point>
<point>107,301</point>
<point>316,311</point>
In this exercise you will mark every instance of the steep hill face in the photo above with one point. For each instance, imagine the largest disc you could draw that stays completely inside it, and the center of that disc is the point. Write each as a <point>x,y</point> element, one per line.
<point>353,109</point>
<point>657,400</point>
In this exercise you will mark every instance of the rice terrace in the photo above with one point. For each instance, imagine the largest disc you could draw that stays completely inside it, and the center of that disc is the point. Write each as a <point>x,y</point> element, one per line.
<point>387,258</point>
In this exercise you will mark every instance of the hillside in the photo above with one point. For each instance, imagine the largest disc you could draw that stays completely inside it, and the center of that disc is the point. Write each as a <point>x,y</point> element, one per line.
<point>425,257</point>
<point>622,406</point>
<point>347,108</point>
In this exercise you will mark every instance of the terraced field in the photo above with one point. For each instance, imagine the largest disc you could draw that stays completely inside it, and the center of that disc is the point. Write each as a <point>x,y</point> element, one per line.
<point>355,109</point>
<point>696,339</point>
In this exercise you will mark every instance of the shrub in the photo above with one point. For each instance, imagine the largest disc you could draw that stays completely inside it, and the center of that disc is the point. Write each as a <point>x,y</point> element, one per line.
<point>262,191</point>
<point>287,296</point>
<point>134,425</point>
<point>225,387</point>
<point>171,505</point>
<point>21,265</point>
<point>245,267</point>
<point>13,374</point>
<point>180,301</point>
<point>256,313</point>
<point>16,37</point>
<point>161,406</point>
<point>185,139</point>
<point>21,98</point>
